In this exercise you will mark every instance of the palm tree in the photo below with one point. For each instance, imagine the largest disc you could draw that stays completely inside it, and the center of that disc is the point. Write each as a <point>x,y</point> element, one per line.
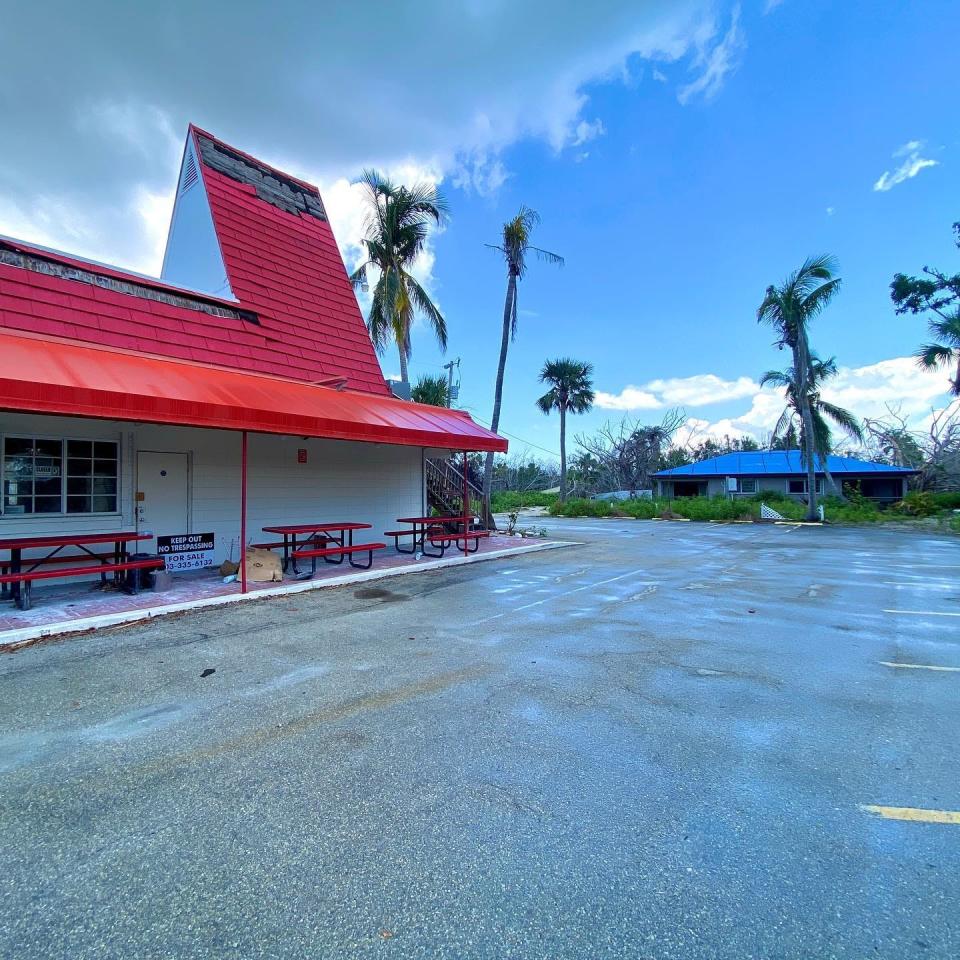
<point>571,389</point>
<point>789,309</point>
<point>514,247</point>
<point>939,293</point>
<point>431,390</point>
<point>397,226</point>
<point>945,351</point>
<point>822,412</point>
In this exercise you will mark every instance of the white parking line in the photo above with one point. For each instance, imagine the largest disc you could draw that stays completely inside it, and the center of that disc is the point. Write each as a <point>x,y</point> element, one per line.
<point>925,613</point>
<point>919,666</point>
<point>537,603</point>
<point>919,586</point>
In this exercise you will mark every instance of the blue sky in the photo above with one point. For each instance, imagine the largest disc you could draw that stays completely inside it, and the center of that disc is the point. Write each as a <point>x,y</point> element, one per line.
<point>682,156</point>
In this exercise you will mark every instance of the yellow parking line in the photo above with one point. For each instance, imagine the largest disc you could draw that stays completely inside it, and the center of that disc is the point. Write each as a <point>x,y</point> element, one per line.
<point>919,666</point>
<point>915,814</point>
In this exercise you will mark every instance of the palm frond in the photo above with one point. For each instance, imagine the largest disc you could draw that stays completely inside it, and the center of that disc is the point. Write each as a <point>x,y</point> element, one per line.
<point>776,378</point>
<point>946,330</point>
<point>842,418</point>
<point>547,256</point>
<point>548,401</point>
<point>932,355</point>
<point>428,309</point>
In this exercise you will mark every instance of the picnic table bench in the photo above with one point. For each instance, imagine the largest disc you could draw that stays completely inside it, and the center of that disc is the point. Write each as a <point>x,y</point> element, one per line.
<point>330,541</point>
<point>436,532</point>
<point>18,573</point>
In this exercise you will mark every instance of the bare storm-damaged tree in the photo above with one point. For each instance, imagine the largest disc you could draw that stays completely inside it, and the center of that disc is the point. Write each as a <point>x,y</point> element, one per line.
<point>627,454</point>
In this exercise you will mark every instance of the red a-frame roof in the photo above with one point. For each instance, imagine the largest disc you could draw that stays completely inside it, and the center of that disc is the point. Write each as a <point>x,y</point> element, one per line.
<point>295,313</point>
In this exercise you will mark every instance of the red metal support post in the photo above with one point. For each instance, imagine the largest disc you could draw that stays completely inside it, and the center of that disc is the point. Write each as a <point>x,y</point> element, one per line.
<point>466,500</point>
<point>243,515</point>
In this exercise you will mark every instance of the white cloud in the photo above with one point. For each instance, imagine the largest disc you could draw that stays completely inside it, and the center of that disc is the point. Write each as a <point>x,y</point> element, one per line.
<point>715,62</point>
<point>912,164</point>
<point>830,211</point>
<point>629,398</point>
<point>866,391</point>
<point>142,128</point>
<point>466,96</point>
<point>659,75</point>
<point>696,391</point>
<point>584,132</point>
<point>154,211</point>
<point>771,5</point>
<point>481,172</point>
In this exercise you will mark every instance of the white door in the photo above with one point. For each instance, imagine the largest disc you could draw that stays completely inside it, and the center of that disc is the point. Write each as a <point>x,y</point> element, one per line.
<point>163,493</point>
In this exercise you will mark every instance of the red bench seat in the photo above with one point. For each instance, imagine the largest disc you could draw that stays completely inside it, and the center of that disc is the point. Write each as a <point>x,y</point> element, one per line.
<point>26,578</point>
<point>339,551</point>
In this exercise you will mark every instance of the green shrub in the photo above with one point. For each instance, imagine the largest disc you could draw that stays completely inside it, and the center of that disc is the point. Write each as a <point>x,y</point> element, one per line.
<point>917,503</point>
<point>640,508</point>
<point>502,501</point>
<point>714,508</point>
<point>580,508</point>
<point>771,497</point>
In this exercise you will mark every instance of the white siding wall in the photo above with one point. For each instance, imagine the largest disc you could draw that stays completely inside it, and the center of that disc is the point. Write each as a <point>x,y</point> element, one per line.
<point>28,425</point>
<point>370,483</point>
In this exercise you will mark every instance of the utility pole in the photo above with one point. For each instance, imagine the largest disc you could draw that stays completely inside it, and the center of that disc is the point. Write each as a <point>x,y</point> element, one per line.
<point>449,368</point>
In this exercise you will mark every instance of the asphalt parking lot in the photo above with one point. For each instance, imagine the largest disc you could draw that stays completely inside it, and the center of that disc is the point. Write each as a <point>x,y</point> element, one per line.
<point>657,744</point>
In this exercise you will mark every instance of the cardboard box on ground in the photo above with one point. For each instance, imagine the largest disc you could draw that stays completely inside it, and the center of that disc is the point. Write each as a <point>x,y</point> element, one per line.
<point>263,566</point>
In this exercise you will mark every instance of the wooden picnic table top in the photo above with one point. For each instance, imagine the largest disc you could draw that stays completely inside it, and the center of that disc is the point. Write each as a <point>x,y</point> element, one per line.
<point>316,527</point>
<point>72,539</point>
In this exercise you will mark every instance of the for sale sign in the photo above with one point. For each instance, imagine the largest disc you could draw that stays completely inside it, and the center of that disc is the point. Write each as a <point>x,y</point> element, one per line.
<point>187,551</point>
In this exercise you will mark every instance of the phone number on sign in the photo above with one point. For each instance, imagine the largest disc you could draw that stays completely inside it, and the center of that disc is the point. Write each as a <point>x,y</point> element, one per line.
<point>188,561</point>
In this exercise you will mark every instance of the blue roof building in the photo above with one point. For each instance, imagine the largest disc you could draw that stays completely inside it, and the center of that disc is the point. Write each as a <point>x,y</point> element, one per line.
<point>748,473</point>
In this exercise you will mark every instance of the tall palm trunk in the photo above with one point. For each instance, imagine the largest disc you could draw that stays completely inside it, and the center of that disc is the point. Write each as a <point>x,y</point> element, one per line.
<point>498,390</point>
<point>802,366</point>
<point>563,453</point>
<point>404,376</point>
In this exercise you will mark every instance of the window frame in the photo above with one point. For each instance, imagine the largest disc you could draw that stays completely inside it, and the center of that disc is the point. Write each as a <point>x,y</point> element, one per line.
<point>750,480</point>
<point>62,513</point>
<point>818,484</point>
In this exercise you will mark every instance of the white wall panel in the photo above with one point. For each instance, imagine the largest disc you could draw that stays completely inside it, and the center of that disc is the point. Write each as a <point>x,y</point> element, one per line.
<point>370,483</point>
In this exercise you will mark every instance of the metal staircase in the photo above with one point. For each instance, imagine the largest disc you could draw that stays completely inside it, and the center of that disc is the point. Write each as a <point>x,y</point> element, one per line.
<point>445,489</point>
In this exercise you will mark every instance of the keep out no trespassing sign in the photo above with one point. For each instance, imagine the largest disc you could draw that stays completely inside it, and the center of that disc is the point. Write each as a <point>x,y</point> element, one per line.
<point>187,551</point>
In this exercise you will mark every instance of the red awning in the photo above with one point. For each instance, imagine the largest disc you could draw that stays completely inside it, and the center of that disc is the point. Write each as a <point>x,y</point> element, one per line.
<point>53,376</point>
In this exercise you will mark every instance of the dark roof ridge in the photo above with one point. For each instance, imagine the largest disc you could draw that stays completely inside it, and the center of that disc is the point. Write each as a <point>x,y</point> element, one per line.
<point>65,267</point>
<point>273,186</point>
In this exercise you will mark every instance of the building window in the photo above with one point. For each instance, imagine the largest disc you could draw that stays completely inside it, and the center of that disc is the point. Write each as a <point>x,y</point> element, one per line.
<point>55,476</point>
<point>746,484</point>
<point>800,486</point>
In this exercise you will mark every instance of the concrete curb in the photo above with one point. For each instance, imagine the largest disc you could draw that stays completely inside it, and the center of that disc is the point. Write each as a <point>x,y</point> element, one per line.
<point>13,640</point>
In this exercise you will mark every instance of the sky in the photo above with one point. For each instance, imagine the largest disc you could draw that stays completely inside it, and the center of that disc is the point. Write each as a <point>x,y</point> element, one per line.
<point>681,155</point>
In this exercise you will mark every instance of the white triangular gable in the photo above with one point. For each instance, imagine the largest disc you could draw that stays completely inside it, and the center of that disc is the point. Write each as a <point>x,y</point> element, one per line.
<point>193,258</point>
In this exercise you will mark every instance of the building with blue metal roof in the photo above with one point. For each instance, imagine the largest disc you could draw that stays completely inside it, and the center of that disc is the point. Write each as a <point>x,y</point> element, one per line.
<point>780,471</point>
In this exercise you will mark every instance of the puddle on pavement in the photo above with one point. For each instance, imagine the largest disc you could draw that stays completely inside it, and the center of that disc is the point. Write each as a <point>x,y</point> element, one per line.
<point>379,593</point>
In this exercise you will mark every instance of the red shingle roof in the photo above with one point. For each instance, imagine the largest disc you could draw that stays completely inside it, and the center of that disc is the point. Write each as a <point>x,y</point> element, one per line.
<point>284,267</point>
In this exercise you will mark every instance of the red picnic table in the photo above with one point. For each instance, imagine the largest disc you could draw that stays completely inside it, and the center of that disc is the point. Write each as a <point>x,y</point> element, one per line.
<point>433,530</point>
<point>332,541</point>
<point>19,572</point>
